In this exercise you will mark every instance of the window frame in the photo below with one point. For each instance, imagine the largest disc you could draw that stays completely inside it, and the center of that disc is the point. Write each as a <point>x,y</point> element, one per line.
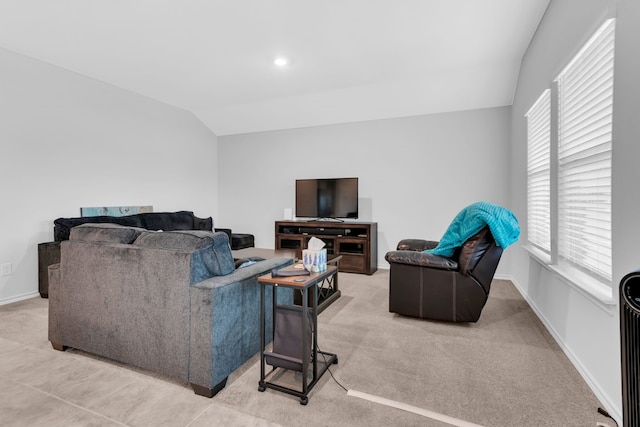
<point>593,283</point>
<point>539,173</point>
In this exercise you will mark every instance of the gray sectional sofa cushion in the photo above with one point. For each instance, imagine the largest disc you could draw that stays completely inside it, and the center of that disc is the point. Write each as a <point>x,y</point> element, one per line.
<point>157,304</point>
<point>213,250</point>
<point>105,233</point>
<point>183,240</point>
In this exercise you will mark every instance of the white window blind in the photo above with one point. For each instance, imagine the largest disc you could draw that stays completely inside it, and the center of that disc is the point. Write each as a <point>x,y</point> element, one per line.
<point>585,100</point>
<point>539,172</point>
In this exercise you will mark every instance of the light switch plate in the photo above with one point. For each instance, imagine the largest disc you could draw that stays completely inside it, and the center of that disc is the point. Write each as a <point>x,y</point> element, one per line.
<point>5,269</point>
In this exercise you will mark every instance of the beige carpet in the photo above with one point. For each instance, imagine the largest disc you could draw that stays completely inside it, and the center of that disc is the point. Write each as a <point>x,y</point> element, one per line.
<point>505,370</point>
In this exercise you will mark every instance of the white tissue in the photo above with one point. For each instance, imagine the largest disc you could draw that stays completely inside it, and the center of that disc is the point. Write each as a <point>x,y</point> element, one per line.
<point>315,244</point>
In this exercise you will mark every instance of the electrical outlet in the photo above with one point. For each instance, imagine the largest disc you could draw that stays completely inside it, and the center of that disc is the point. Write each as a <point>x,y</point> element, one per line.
<point>5,269</point>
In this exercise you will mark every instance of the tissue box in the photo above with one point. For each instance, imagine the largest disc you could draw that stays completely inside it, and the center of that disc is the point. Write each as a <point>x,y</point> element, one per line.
<point>314,261</point>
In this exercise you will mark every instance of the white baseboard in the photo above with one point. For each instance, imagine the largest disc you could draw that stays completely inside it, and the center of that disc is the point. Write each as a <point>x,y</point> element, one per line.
<point>19,298</point>
<point>609,406</point>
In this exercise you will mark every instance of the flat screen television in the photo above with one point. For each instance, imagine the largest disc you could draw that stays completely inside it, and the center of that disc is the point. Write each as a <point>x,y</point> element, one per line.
<point>327,198</point>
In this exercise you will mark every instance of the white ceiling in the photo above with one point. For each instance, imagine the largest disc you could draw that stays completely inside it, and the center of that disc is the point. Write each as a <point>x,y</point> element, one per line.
<point>350,60</point>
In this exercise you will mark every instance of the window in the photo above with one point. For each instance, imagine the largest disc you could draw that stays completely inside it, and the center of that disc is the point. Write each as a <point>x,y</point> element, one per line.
<point>585,104</point>
<point>539,172</point>
<point>569,171</point>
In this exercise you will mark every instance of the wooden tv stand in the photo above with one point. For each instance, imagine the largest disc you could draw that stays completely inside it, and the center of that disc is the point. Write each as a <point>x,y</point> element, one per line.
<point>357,242</point>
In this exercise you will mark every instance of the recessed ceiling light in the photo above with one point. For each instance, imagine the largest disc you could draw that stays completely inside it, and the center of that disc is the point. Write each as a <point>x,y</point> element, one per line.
<point>281,61</point>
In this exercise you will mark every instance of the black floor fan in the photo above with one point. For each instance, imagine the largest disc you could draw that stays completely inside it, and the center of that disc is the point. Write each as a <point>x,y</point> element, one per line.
<point>630,348</point>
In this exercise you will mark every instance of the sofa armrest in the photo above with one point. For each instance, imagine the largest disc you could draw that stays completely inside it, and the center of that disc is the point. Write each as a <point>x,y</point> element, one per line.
<point>418,245</point>
<point>240,274</point>
<point>421,259</point>
<point>225,321</point>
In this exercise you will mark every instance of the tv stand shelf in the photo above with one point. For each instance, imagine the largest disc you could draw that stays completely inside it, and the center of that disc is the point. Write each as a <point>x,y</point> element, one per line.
<point>357,242</point>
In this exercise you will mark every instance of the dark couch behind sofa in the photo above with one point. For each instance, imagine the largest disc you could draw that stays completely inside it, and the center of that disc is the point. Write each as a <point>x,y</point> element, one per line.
<point>171,302</point>
<point>167,221</point>
<point>49,252</point>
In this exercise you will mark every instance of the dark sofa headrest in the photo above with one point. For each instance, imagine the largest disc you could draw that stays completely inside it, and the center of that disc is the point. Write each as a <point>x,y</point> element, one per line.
<point>167,221</point>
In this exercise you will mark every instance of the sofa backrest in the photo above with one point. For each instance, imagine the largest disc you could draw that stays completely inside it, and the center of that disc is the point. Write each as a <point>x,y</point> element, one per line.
<point>211,253</point>
<point>105,233</point>
<point>166,221</point>
<point>169,221</point>
<point>478,257</point>
<point>62,226</point>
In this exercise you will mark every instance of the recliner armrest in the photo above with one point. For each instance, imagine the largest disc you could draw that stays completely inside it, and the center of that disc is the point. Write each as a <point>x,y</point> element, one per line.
<point>418,245</point>
<point>421,259</point>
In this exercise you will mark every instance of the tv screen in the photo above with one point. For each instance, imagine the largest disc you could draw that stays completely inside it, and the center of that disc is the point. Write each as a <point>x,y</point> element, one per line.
<point>327,198</point>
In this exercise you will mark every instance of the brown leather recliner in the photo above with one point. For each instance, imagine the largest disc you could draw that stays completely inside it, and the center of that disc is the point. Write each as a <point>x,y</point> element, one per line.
<point>434,287</point>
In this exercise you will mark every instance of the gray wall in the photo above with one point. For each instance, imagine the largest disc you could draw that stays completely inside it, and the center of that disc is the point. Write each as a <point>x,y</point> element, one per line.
<point>587,330</point>
<point>415,173</point>
<point>67,141</point>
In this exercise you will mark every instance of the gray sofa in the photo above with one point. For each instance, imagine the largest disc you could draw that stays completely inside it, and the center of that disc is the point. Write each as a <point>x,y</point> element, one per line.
<point>170,302</point>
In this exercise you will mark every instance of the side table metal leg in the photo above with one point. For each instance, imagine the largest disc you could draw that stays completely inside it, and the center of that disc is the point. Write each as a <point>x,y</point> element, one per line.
<point>305,344</point>
<point>314,350</point>
<point>261,386</point>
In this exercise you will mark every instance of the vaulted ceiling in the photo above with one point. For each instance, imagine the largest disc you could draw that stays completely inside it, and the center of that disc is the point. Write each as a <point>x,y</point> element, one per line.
<point>348,60</point>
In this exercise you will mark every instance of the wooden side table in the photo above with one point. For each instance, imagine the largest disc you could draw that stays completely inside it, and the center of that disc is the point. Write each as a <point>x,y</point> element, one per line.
<point>328,290</point>
<point>306,284</point>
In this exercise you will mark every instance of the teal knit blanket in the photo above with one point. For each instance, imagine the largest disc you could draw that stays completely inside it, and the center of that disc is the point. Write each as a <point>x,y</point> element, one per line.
<point>501,221</point>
